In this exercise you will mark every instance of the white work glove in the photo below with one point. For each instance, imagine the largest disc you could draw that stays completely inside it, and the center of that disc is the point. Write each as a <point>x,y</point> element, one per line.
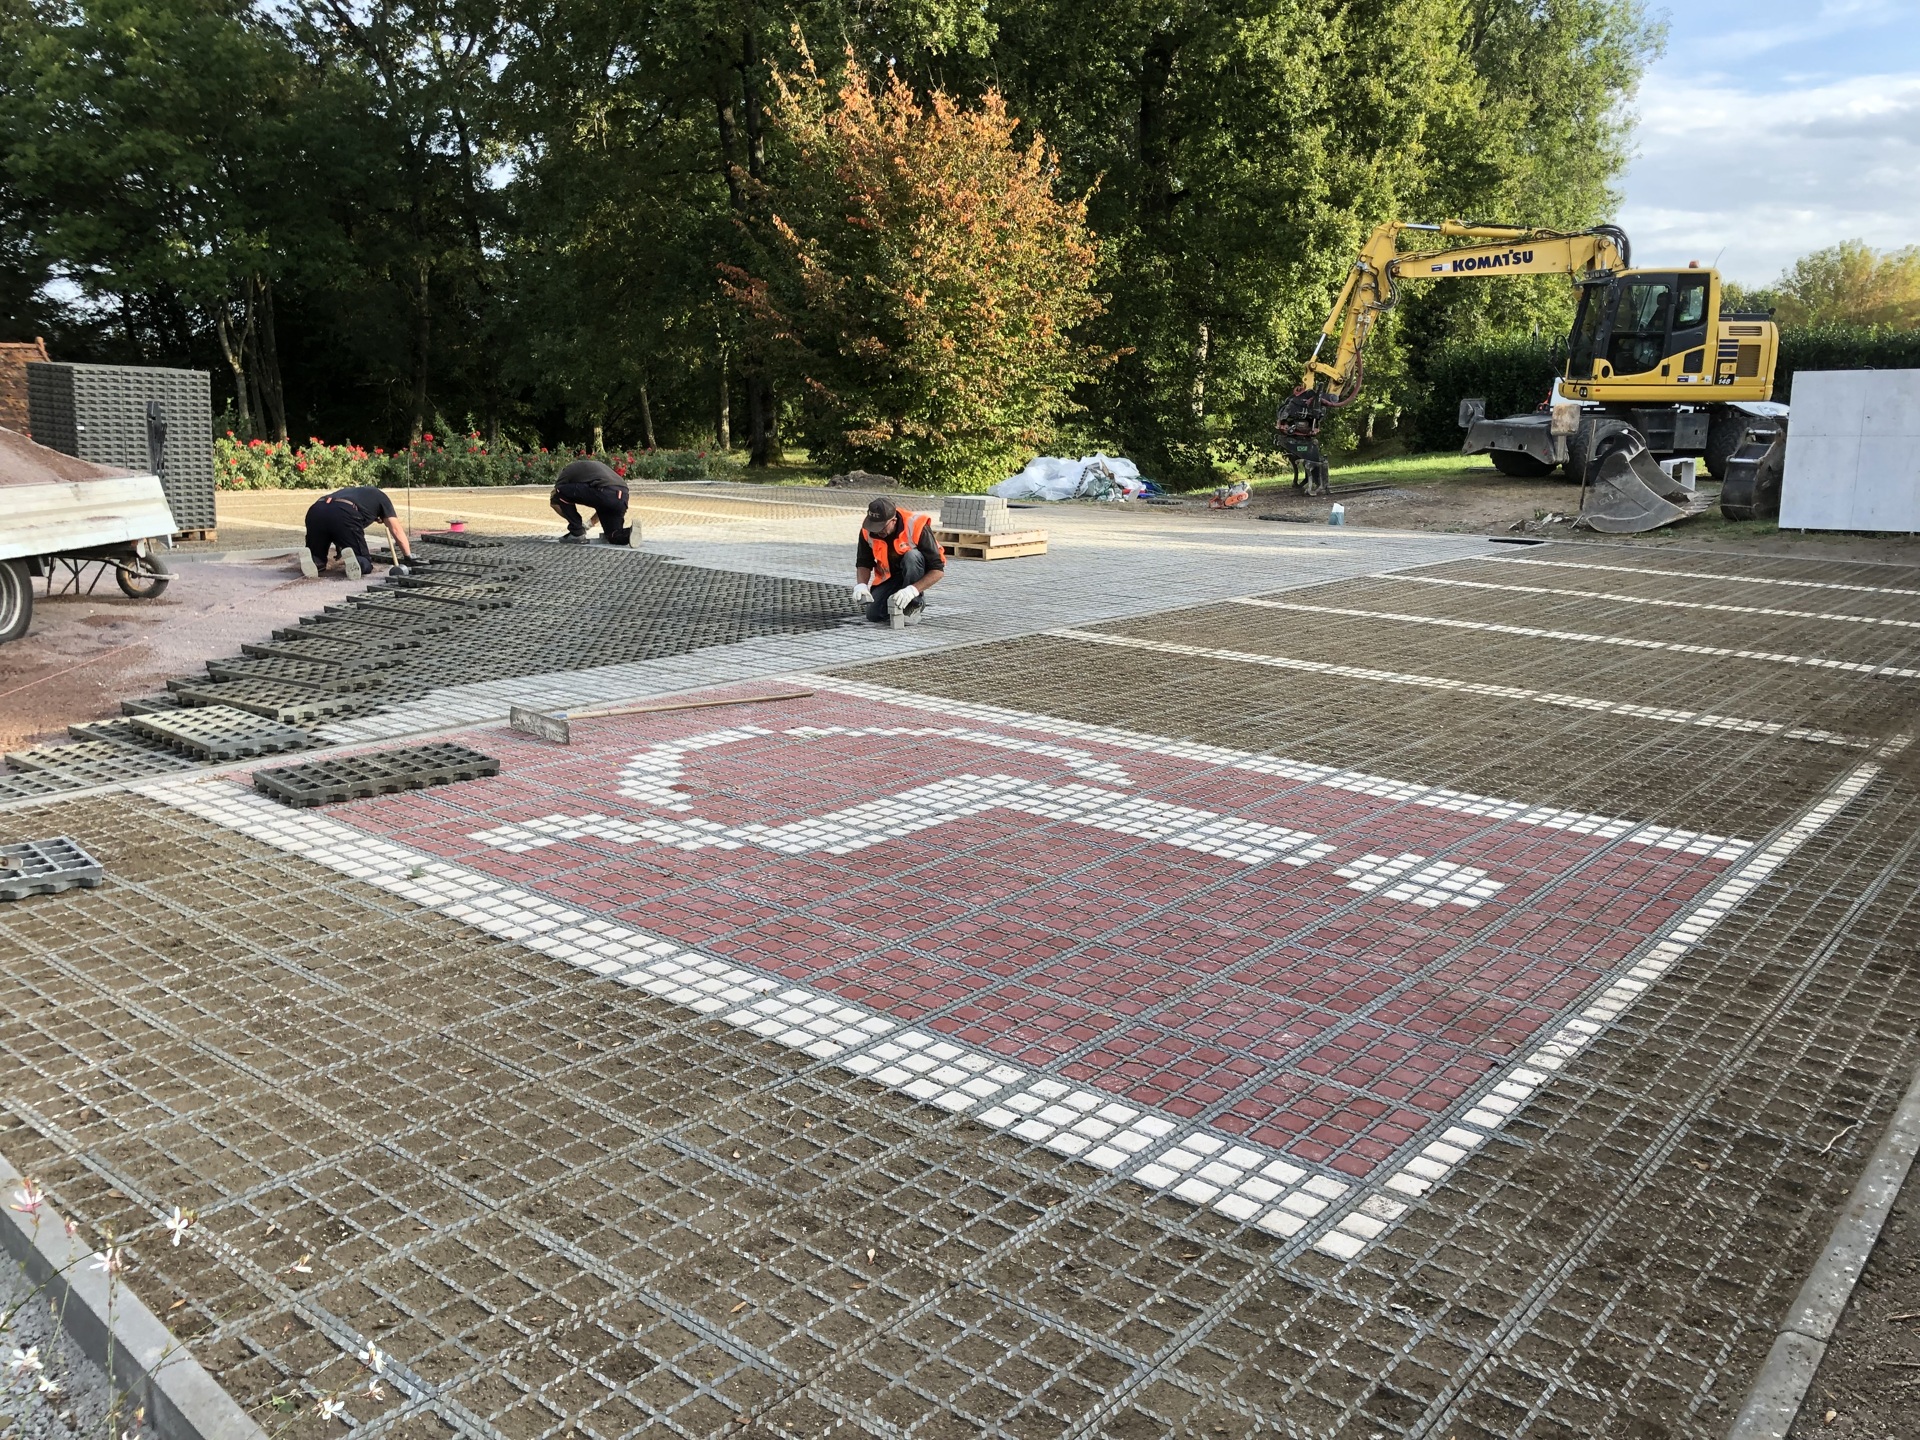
<point>898,602</point>
<point>863,594</point>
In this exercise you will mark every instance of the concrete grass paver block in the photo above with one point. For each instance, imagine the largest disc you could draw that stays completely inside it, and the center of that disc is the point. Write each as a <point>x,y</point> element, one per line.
<point>46,867</point>
<point>312,674</point>
<point>221,732</point>
<point>271,699</point>
<point>381,772</point>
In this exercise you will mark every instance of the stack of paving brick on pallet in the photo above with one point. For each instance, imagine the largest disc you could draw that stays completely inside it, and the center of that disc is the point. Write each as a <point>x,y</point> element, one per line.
<point>139,418</point>
<point>978,527</point>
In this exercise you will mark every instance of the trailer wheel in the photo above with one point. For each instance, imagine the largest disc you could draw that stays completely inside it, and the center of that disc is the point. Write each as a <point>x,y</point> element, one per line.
<point>16,599</point>
<point>144,584</point>
<point>1519,464</point>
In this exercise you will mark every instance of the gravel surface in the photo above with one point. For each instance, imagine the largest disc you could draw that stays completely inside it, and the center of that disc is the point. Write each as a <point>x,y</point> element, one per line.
<point>79,1406</point>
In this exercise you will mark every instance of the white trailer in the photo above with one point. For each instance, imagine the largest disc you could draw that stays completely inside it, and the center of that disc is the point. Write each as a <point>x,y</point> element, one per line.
<point>62,516</point>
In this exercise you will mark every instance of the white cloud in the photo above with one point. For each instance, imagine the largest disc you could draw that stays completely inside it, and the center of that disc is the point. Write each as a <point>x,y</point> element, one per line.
<point>1763,177</point>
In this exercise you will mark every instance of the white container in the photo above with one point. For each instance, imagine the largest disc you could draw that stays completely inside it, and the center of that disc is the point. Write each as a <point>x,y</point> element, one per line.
<point>1337,516</point>
<point>1684,471</point>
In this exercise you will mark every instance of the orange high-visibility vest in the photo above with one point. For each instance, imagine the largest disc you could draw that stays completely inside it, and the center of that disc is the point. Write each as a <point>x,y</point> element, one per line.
<point>912,527</point>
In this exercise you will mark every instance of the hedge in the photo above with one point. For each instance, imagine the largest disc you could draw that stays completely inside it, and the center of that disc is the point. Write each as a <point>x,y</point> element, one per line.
<point>468,460</point>
<point>1514,374</point>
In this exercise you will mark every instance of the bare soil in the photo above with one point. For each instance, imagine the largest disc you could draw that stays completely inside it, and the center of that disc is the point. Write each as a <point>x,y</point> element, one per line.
<point>1869,1384</point>
<point>1479,501</point>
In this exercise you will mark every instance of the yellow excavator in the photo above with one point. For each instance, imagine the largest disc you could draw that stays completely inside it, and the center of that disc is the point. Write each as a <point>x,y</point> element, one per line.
<point>1655,369</point>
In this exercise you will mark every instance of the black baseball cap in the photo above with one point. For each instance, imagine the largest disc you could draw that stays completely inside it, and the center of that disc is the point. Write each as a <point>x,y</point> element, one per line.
<point>881,513</point>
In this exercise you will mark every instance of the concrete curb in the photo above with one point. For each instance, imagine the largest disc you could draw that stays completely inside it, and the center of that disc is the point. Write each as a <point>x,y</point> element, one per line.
<point>143,1358</point>
<point>1778,1391</point>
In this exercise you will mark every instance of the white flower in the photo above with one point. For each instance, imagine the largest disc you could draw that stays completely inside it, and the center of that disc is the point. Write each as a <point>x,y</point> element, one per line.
<point>180,1223</point>
<point>29,1198</point>
<point>301,1267</point>
<point>373,1359</point>
<point>49,1387</point>
<point>375,1391</point>
<point>26,1360</point>
<point>331,1408</point>
<point>111,1261</point>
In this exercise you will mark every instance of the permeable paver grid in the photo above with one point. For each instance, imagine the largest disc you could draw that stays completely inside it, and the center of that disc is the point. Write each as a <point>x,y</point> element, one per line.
<point>1233,951</point>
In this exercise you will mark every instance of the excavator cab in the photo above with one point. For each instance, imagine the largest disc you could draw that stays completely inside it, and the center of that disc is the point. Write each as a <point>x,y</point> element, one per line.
<point>1648,326</point>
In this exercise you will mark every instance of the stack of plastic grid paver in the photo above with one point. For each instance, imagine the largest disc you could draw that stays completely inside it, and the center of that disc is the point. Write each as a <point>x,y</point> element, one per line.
<point>102,413</point>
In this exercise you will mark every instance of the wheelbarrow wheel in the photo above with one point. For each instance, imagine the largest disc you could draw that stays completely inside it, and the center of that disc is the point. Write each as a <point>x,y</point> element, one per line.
<point>16,599</point>
<point>146,583</point>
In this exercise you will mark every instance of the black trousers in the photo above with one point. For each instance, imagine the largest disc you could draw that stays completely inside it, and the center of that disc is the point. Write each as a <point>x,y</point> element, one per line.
<point>608,503</point>
<point>337,525</point>
<point>907,569</point>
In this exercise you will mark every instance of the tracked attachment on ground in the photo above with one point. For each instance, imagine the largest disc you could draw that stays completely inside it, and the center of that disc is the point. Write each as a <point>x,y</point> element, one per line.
<point>1628,492</point>
<point>381,772</point>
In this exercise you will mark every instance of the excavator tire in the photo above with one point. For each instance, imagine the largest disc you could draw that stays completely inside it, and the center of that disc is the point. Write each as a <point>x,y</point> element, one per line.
<point>1519,464</point>
<point>1588,445</point>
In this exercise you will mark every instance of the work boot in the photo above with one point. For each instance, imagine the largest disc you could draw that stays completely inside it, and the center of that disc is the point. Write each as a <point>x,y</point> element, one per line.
<point>917,611</point>
<point>307,567</point>
<point>570,538</point>
<point>621,537</point>
<point>350,562</point>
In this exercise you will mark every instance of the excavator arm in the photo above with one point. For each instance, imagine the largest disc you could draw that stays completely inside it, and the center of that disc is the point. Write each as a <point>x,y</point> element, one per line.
<point>1333,379</point>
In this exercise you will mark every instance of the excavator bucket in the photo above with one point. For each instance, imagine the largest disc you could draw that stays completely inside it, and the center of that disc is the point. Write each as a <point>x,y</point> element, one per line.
<point>1629,493</point>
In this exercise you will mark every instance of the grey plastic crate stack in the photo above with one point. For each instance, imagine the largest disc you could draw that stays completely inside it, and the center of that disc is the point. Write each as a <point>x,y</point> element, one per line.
<point>99,413</point>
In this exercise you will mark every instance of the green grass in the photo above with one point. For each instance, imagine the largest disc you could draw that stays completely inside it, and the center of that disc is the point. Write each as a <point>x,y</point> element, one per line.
<point>1443,467</point>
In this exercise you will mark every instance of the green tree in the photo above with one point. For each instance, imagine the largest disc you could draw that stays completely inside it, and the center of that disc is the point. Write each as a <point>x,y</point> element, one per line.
<point>932,284</point>
<point>1244,148</point>
<point>1848,284</point>
<point>146,133</point>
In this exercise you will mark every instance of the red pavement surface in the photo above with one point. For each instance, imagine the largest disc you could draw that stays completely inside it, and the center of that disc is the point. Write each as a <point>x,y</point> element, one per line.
<point>1267,1000</point>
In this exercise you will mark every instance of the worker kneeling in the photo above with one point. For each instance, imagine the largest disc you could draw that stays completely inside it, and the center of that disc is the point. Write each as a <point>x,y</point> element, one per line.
<point>896,561</point>
<point>592,483</point>
<point>339,522</point>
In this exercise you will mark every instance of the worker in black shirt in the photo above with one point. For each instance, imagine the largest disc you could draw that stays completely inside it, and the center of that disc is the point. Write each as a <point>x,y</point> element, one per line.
<point>592,483</point>
<point>339,522</point>
<point>896,560</point>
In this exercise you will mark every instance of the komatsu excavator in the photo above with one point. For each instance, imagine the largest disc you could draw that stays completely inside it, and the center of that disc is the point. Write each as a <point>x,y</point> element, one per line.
<point>1655,367</point>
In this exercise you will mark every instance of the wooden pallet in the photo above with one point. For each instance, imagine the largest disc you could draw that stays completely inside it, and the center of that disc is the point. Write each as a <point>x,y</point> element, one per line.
<point>198,535</point>
<point>1000,545</point>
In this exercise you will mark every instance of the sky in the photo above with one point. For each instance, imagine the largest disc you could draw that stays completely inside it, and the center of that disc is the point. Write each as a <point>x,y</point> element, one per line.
<point>1770,129</point>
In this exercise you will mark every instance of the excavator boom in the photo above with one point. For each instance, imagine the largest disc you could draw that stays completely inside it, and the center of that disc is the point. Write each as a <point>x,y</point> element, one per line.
<point>1333,378</point>
<point>1371,286</point>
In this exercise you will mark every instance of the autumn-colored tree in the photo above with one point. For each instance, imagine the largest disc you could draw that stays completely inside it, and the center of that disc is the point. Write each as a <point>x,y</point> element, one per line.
<point>925,280</point>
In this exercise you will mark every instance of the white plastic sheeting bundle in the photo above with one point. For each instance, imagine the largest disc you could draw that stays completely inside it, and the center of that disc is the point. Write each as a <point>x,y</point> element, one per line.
<point>1091,477</point>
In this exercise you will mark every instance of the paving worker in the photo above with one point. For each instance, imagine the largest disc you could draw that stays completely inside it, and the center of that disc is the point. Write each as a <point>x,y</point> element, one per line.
<point>897,559</point>
<point>596,485</point>
<point>339,522</point>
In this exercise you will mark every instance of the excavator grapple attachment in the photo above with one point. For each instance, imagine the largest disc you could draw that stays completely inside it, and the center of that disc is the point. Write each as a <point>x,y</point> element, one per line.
<point>1628,492</point>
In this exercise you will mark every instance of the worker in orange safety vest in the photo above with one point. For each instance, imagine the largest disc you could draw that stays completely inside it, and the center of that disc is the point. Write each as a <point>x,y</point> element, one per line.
<point>897,559</point>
